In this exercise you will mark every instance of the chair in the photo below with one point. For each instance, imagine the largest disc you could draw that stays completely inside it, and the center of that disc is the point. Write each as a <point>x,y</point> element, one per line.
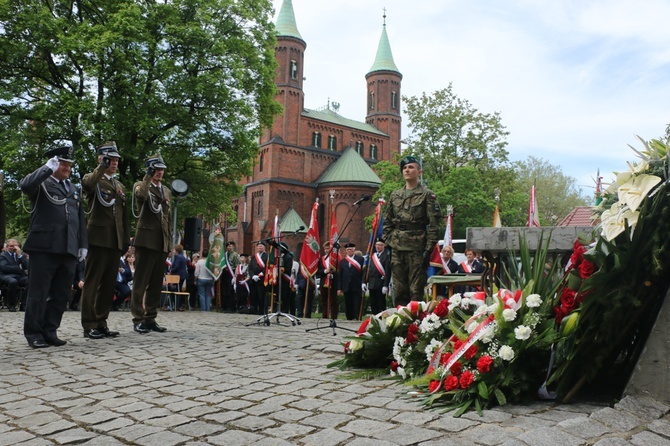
<point>172,279</point>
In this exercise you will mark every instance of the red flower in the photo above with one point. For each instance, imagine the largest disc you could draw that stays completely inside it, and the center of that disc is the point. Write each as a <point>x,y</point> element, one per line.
<point>451,383</point>
<point>586,269</point>
<point>484,364</point>
<point>577,255</point>
<point>364,326</point>
<point>434,385</point>
<point>412,337</point>
<point>471,352</point>
<point>444,359</point>
<point>456,368</point>
<point>394,366</point>
<point>559,314</point>
<point>457,344</point>
<point>442,309</point>
<point>346,347</point>
<point>568,300</point>
<point>467,379</point>
<point>430,370</point>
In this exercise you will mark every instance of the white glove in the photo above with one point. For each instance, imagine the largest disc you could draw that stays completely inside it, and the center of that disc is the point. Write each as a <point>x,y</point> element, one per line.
<point>81,254</point>
<point>255,278</point>
<point>232,281</point>
<point>53,163</point>
<point>385,290</point>
<point>364,287</point>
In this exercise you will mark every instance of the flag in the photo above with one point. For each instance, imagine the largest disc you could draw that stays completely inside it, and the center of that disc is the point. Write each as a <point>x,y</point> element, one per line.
<point>533,215</point>
<point>448,232</point>
<point>599,188</point>
<point>377,227</point>
<point>496,217</point>
<point>436,264</point>
<point>216,260</point>
<point>333,257</point>
<point>309,255</point>
<point>271,265</point>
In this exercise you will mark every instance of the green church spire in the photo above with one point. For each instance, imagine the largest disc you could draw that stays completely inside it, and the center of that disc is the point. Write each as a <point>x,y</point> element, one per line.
<point>384,58</point>
<point>286,25</point>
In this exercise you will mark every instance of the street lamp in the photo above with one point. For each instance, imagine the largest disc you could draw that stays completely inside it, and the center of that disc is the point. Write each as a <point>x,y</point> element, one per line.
<point>179,191</point>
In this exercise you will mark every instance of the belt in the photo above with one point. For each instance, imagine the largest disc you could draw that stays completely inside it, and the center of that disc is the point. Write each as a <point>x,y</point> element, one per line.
<point>410,226</point>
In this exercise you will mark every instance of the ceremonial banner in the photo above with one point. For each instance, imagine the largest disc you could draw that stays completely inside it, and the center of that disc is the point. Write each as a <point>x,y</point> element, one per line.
<point>533,215</point>
<point>216,261</point>
<point>271,266</point>
<point>309,255</point>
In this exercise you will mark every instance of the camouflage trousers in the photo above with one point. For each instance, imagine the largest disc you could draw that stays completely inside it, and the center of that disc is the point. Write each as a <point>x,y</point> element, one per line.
<point>409,277</point>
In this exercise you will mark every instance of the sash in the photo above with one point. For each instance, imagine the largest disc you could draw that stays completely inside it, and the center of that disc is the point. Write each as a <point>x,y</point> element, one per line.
<point>378,265</point>
<point>240,276</point>
<point>354,263</point>
<point>260,262</point>
<point>466,267</point>
<point>229,267</point>
<point>446,267</point>
<point>325,260</point>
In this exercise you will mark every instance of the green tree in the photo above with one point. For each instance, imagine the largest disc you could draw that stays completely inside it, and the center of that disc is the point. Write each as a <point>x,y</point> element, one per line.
<point>448,132</point>
<point>191,79</point>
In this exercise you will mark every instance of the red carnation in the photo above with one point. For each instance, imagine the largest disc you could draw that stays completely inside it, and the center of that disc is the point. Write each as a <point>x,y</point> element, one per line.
<point>457,344</point>
<point>451,383</point>
<point>346,347</point>
<point>586,269</point>
<point>412,337</point>
<point>471,352</point>
<point>444,359</point>
<point>456,368</point>
<point>430,370</point>
<point>394,366</point>
<point>442,309</point>
<point>484,364</point>
<point>434,385</point>
<point>467,379</point>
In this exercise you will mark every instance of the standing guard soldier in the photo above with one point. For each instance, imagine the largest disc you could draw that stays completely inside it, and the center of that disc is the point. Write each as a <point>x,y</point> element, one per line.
<point>152,245</point>
<point>411,230</point>
<point>108,238</point>
<point>56,238</point>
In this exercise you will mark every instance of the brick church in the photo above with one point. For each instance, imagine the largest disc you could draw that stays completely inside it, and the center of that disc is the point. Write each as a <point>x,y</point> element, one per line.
<point>310,154</point>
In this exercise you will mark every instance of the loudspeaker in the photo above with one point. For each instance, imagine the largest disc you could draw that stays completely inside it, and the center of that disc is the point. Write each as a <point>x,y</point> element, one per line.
<point>192,230</point>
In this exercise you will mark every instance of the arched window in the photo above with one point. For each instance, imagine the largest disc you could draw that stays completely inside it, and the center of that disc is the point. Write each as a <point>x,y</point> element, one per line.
<point>360,148</point>
<point>294,69</point>
<point>260,163</point>
<point>332,142</point>
<point>258,209</point>
<point>394,100</point>
<point>316,139</point>
<point>373,151</point>
<point>372,100</point>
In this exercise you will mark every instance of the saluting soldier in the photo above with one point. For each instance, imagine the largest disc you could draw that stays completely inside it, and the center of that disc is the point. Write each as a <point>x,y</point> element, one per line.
<point>411,230</point>
<point>152,245</point>
<point>56,238</point>
<point>108,238</point>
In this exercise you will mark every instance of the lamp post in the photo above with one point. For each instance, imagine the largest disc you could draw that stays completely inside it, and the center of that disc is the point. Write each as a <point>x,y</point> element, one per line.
<point>179,191</point>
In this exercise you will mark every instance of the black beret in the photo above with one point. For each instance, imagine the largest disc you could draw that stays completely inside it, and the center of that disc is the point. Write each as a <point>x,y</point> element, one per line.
<point>408,160</point>
<point>230,243</point>
<point>350,245</point>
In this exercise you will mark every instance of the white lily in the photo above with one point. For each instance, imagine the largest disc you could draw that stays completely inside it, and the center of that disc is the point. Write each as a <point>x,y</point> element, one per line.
<point>613,221</point>
<point>635,190</point>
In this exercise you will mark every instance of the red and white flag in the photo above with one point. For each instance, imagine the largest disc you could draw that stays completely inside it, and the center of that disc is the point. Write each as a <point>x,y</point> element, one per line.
<point>448,232</point>
<point>533,214</point>
<point>309,255</point>
<point>496,218</point>
<point>271,272</point>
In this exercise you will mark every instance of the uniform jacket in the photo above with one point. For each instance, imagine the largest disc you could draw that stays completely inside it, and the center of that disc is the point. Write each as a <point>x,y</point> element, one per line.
<point>412,220</point>
<point>349,277</point>
<point>57,223</point>
<point>153,225</point>
<point>108,224</point>
<point>254,268</point>
<point>11,267</point>
<point>375,279</point>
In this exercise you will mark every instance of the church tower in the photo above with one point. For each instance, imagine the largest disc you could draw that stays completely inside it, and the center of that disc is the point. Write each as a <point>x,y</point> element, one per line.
<point>383,95</point>
<point>290,54</point>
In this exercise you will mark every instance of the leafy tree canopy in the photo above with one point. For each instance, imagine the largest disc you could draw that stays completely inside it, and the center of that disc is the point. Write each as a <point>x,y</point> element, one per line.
<point>192,80</point>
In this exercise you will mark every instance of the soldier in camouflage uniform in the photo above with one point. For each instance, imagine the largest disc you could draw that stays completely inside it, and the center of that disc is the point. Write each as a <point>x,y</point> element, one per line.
<point>411,230</point>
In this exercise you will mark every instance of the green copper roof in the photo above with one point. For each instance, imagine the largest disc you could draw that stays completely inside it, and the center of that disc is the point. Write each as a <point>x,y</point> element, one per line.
<point>350,168</point>
<point>291,222</point>
<point>332,116</point>
<point>286,21</point>
<point>384,59</point>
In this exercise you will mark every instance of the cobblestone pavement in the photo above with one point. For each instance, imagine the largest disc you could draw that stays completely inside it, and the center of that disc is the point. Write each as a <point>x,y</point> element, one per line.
<point>212,380</point>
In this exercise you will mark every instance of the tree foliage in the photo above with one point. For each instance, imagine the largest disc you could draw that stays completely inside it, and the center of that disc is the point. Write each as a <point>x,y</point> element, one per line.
<point>193,80</point>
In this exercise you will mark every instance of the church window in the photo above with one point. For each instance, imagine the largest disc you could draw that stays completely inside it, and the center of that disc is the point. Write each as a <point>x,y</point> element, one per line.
<point>260,163</point>
<point>258,208</point>
<point>360,148</point>
<point>394,100</point>
<point>294,69</point>
<point>316,139</point>
<point>373,151</point>
<point>372,100</point>
<point>332,142</point>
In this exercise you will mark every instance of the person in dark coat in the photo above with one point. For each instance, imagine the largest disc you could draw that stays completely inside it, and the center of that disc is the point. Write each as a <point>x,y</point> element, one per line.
<point>350,281</point>
<point>379,277</point>
<point>77,285</point>
<point>56,239</point>
<point>256,272</point>
<point>179,268</point>
<point>13,272</point>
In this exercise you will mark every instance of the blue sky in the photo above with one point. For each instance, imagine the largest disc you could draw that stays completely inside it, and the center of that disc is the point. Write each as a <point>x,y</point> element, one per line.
<point>574,81</point>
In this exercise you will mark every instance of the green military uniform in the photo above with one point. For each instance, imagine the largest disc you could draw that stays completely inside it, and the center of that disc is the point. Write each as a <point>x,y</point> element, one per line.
<point>108,236</point>
<point>152,245</point>
<point>411,228</point>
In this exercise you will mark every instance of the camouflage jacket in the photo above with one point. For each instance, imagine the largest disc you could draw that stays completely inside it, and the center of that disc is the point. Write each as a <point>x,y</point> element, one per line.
<point>412,220</point>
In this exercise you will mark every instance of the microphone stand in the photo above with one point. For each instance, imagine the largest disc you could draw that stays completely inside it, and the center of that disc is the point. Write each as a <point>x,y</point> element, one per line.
<point>336,246</point>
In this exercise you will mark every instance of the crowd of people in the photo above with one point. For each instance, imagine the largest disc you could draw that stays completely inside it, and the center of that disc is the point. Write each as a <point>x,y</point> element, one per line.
<point>78,254</point>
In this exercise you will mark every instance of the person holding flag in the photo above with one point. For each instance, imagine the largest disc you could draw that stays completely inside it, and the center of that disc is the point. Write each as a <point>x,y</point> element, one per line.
<point>309,265</point>
<point>379,277</point>
<point>328,287</point>
<point>256,272</point>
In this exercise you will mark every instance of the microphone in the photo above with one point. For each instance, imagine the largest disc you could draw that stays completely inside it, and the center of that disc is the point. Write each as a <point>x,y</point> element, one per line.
<point>365,197</point>
<point>301,228</point>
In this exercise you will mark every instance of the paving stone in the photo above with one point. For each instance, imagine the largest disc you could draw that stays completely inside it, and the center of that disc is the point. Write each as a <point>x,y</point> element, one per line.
<point>452,424</point>
<point>643,407</point>
<point>326,437</point>
<point>549,436</point>
<point>621,421</point>
<point>289,430</point>
<point>407,434</point>
<point>584,427</point>
<point>327,420</point>
<point>649,439</point>
<point>163,438</point>
<point>661,427</point>
<point>252,423</point>
<point>612,441</point>
<point>15,437</point>
<point>234,438</point>
<point>367,428</point>
<point>51,428</point>
<point>198,429</point>
<point>75,435</point>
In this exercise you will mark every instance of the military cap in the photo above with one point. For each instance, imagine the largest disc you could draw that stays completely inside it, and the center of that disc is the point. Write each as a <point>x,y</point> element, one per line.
<point>230,243</point>
<point>283,245</point>
<point>408,160</point>
<point>64,153</point>
<point>350,245</point>
<point>379,240</point>
<point>155,161</point>
<point>108,149</point>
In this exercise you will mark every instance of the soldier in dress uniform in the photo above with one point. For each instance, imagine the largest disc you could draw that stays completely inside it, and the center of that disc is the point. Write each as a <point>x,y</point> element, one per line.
<point>152,245</point>
<point>411,230</point>
<point>56,238</point>
<point>108,238</point>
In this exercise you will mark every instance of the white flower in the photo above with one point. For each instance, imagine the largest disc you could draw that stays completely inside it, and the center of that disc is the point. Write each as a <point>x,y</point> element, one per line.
<point>465,303</point>
<point>401,372</point>
<point>481,310</point>
<point>488,334</point>
<point>506,353</point>
<point>430,323</point>
<point>635,190</point>
<point>393,321</point>
<point>509,314</point>
<point>431,348</point>
<point>454,301</point>
<point>614,219</point>
<point>494,307</point>
<point>522,332</point>
<point>471,326</point>
<point>533,301</point>
<point>355,344</point>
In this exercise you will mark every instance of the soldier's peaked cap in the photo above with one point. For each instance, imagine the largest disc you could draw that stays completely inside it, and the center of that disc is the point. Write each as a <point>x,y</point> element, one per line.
<point>156,161</point>
<point>64,153</point>
<point>108,149</point>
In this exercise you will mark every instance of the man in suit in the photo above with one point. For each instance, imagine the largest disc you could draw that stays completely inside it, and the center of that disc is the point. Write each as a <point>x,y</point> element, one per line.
<point>256,272</point>
<point>13,272</point>
<point>327,274</point>
<point>228,279</point>
<point>152,245</point>
<point>56,238</point>
<point>350,281</point>
<point>108,237</point>
<point>379,277</point>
